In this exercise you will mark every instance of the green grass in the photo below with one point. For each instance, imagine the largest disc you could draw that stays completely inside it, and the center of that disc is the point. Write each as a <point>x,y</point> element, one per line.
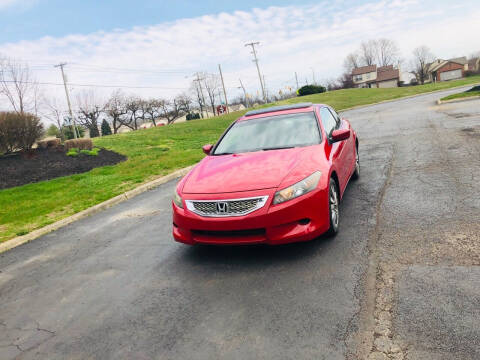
<point>151,153</point>
<point>475,91</point>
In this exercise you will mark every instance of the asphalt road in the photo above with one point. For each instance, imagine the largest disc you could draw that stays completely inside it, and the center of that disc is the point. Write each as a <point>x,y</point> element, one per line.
<point>116,286</point>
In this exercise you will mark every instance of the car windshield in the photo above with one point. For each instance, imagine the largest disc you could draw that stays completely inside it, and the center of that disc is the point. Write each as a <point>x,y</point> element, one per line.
<point>270,133</point>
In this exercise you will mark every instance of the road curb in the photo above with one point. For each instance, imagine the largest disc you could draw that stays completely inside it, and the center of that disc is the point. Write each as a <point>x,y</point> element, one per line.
<point>405,97</point>
<point>470,98</point>
<point>20,240</point>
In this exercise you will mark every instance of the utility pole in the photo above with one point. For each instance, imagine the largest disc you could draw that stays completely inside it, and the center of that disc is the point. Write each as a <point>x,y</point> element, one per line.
<point>265,87</point>
<point>224,91</point>
<point>255,60</point>
<point>199,84</point>
<point>61,65</point>
<point>244,92</point>
<point>296,79</point>
<point>313,73</point>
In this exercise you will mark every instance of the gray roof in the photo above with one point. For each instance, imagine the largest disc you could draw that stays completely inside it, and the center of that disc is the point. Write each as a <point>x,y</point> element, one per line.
<point>279,108</point>
<point>460,60</point>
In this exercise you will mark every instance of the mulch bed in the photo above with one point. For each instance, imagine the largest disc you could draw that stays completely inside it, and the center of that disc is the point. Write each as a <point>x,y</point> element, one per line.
<point>45,164</point>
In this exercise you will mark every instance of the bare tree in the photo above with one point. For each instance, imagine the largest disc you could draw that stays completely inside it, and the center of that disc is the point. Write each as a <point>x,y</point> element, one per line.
<point>18,86</point>
<point>54,113</point>
<point>151,110</point>
<point>89,110</point>
<point>185,103</point>
<point>474,55</point>
<point>422,57</point>
<point>352,61</point>
<point>196,90</point>
<point>169,110</point>
<point>135,108</point>
<point>387,52</point>
<point>368,52</point>
<point>116,108</point>
<point>211,83</point>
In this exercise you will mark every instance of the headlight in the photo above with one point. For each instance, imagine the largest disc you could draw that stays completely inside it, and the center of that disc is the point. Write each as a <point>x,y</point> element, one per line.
<point>302,187</point>
<point>178,200</point>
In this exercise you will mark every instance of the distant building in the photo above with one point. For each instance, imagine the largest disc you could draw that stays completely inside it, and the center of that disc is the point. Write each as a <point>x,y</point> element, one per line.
<point>373,76</point>
<point>387,77</point>
<point>474,64</point>
<point>443,70</point>
<point>364,76</point>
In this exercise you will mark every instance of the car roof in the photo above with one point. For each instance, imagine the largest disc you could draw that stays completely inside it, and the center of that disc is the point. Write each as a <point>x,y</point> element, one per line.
<point>285,109</point>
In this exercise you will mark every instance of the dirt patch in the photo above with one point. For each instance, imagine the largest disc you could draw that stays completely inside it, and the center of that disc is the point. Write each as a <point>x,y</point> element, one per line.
<point>45,164</point>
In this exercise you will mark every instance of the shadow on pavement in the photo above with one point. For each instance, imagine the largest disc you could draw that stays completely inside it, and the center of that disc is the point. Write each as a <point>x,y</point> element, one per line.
<point>252,255</point>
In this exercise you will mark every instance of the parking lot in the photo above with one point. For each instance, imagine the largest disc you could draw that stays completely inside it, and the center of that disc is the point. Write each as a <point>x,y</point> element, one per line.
<point>401,279</point>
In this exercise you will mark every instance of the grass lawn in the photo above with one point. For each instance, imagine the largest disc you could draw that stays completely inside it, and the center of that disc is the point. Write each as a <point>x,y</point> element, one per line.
<point>475,91</point>
<point>151,153</point>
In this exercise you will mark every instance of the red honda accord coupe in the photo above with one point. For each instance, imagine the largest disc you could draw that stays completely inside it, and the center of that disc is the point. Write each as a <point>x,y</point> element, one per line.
<point>275,176</point>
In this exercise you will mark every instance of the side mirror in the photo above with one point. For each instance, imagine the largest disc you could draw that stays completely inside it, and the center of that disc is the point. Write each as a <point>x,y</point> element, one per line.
<point>207,148</point>
<point>340,135</point>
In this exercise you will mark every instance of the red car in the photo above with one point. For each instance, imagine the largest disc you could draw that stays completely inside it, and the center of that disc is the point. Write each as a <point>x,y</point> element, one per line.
<point>275,176</point>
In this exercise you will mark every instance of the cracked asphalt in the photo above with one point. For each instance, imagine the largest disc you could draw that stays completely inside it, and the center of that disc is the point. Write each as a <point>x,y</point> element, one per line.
<point>400,281</point>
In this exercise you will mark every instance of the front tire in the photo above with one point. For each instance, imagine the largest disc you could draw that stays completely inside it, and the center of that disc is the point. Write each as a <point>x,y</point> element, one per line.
<point>333,207</point>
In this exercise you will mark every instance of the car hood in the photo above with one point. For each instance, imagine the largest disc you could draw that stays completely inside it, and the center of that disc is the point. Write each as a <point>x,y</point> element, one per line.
<point>243,172</point>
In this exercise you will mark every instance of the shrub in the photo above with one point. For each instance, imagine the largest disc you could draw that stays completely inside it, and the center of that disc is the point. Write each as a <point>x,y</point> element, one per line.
<point>81,144</point>
<point>106,129</point>
<point>193,116</point>
<point>73,152</point>
<point>93,131</point>
<point>46,144</point>
<point>19,131</point>
<point>53,131</point>
<point>93,152</point>
<point>68,131</point>
<point>311,89</point>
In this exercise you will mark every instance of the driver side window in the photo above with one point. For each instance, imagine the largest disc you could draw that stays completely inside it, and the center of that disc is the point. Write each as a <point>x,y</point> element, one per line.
<point>328,121</point>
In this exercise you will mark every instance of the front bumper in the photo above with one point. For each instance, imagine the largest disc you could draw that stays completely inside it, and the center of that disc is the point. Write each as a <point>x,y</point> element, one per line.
<point>301,219</point>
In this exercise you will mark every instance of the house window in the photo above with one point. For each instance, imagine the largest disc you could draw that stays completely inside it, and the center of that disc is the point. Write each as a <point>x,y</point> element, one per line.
<point>358,78</point>
<point>368,76</point>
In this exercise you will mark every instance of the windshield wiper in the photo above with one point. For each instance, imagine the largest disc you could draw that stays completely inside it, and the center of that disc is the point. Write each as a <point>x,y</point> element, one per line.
<point>224,153</point>
<point>278,148</point>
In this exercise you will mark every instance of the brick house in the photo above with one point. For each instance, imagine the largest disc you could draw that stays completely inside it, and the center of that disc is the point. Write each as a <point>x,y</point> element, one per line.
<point>443,70</point>
<point>372,76</point>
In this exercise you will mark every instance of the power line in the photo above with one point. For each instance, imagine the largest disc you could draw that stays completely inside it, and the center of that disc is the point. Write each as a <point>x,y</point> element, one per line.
<point>97,85</point>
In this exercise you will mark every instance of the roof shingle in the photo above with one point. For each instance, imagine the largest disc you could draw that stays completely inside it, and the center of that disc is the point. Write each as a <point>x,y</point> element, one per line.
<point>364,69</point>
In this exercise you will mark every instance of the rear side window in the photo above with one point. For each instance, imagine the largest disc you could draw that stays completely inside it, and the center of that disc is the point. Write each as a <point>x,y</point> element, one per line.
<point>328,121</point>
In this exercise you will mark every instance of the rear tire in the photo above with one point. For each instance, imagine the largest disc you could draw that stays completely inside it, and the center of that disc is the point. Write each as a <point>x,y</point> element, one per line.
<point>333,207</point>
<point>356,172</point>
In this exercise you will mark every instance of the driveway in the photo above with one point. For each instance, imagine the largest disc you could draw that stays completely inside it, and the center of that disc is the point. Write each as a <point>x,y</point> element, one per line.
<point>401,277</point>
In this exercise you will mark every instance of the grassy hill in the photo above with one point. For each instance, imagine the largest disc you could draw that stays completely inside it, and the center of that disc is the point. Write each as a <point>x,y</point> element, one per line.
<point>151,153</point>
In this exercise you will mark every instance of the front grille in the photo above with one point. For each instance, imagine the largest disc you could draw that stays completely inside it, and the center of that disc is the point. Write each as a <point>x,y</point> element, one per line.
<point>230,207</point>
<point>230,233</point>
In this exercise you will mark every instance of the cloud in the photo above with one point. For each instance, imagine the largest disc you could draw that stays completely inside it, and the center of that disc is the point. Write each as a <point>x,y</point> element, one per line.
<point>4,4</point>
<point>293,39</point>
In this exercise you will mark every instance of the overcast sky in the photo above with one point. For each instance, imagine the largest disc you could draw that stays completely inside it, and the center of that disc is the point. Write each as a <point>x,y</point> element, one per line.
<point>158,45</point>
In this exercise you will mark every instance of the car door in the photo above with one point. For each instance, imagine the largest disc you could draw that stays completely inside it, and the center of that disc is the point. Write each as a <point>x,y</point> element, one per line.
<point>335,151</point>
<point>348,152</point>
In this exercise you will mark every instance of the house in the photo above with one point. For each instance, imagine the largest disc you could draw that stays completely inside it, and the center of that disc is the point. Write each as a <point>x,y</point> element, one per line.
<point>373,76</point>
<point>443,70</point>
<point>474,64</point>
<point>364,76</point>
<point>387,77</point>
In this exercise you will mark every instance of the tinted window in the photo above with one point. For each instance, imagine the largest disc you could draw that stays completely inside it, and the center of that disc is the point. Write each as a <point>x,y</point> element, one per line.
<point>280,131</point>
<point>328,121</point>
